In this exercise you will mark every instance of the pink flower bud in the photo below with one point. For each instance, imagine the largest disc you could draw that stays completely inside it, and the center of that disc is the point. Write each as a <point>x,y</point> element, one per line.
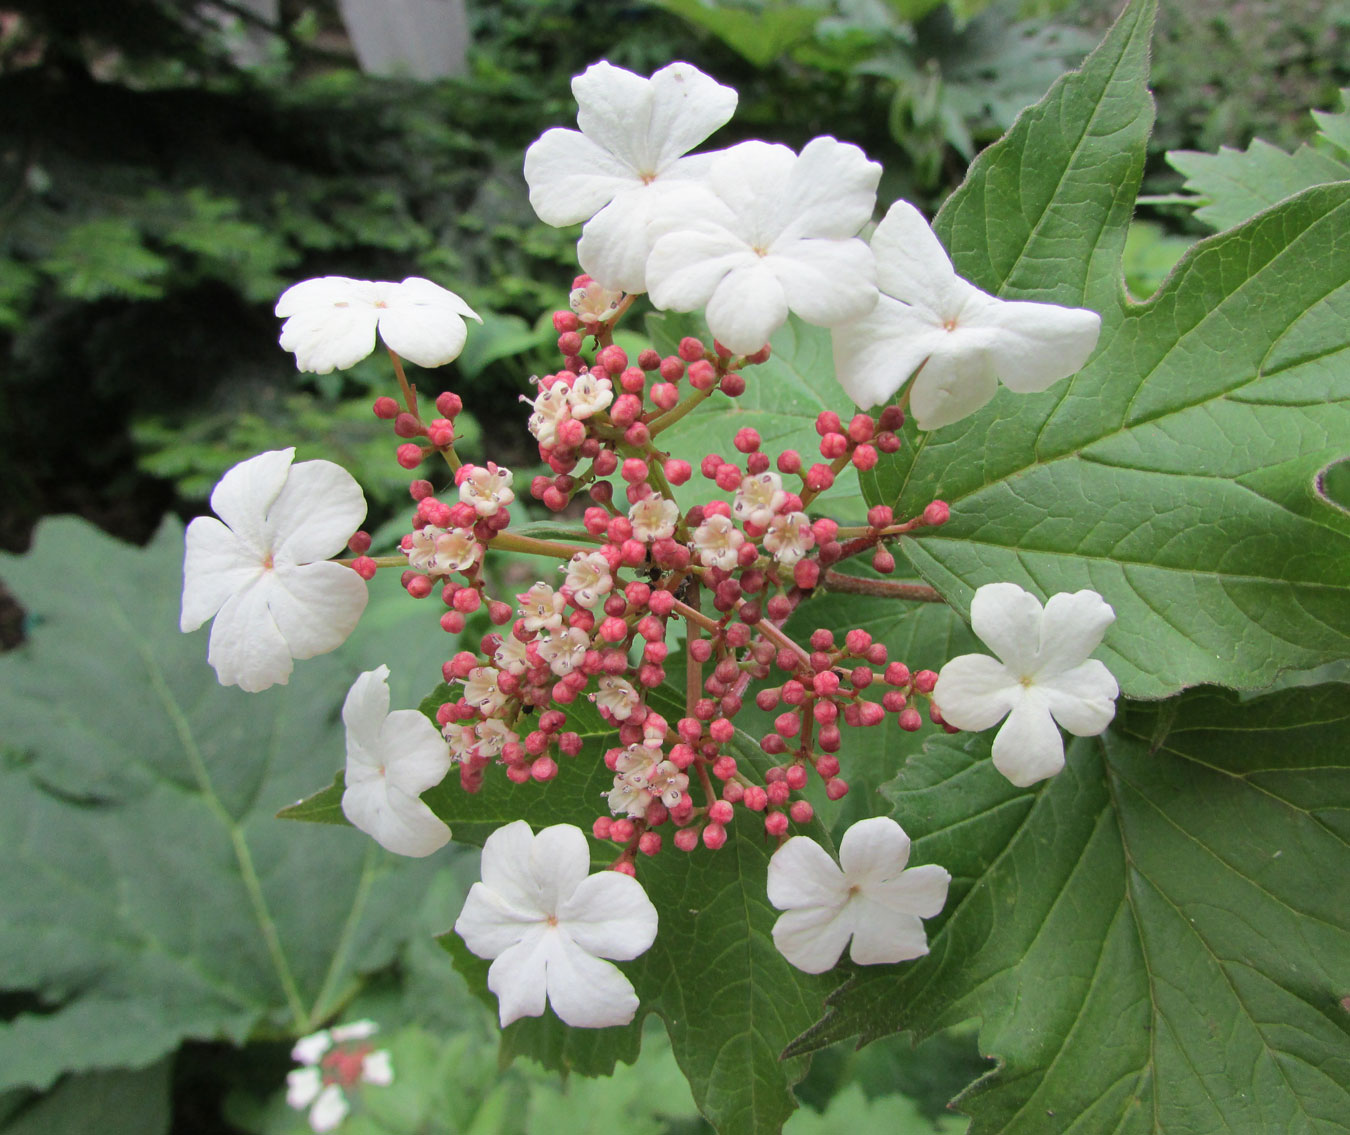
<point>910,721</point>
<point>365,567</point>
<point>756,799</point>
<point>677,471</point>
<point>776,824</point>
<point>865,457</point>
<point>649,843</point>
<point>733,385</point>
<point>702,375</point>
<point>882,561</point>
<point>833,445</point>
<point>649,359</point>
<point>569,343</point>
<point>720,812</point>
<point>714,837</point>
<point>544,769</point>
<point>724,768</point>
<point>409,455</point>
<point>564,321</point>
<point>625,410</point>
<point>691,349</point>
<point>819,478</point>
<point>937,512</point>
<point>632,381</point>
<point>665,396</point>
<point>612,358</point>
<point>621,831</point>
<point>686,839</point>
<point>795,777</point>
<point>746,440</point>
<point>806,574</point>
<point>672,368</point>
<point>924,681</point>
<point>385,408</point>
<point>419,586</point>
<point>801,812</point>
<point>835,788</point>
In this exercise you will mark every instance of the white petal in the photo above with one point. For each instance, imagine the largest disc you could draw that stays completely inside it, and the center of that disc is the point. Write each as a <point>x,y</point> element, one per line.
<point>1008,621</point>
<point>802,874</point>
<point>244,496</point>
<point>874,356</point>
<point>687,106</point>
<point>975,692</point>
<point>614,109</point>
<point>747,307</point>
<point>329,1110</point>
<point>1041,343</point>
<point>920,891</point>
<point>418,756</point>
<point>363,713</point>
<point>827,282</point>
<point>584,991</point>
<point>614,244</point>
<point>749,180</point>
<point>813,938</point>
<point>1028,747</point>
<point>609,915</point>
<point>322,292</point>
<point>302,1086</point>
<point>316,606</point>
<point>559,860</point>
<point>309,1049</point>
<point>330,338</point>
<point>395,820</point>
<point>506,867</point>
<point>685,267</point>
<point>429,335</point>
<point>1072,629</point>
<point>1082,700</point>
<point>953,384</point>
<point>830,192</point>
<point>490,925</point>
<point>355,1030</point>
<point>377,1068</point>
<point>519,978</point>
<point>420,292</point>
<point>872,851</point>
<point>246,648</point>
<point>315,513</point>
<point>884,935</point>
<point>572,177</point>
<point>216,565</point>
<point>912,265</point>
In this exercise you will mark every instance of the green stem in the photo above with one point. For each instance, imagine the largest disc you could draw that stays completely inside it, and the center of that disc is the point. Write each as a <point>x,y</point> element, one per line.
<point>514,542</point>
<point>320,1011</point>
<point>675,413</point>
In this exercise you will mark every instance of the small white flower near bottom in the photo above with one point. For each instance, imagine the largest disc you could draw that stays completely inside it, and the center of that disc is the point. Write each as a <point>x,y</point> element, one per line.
<point>547,924</point>
<point>392,758</point>
<point>868,897</point>
<point>334,1060</point>
<point>1042,676</point>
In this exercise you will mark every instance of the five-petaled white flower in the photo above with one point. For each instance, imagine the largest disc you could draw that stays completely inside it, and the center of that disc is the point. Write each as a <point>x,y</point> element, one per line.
<point>334,1061</point>
<point>331,321</point>
<point>392,758</point>
<point>547,924</point>
<point>964,339</point>
<point>766,233</point>
<point>615,171</point>
<point>262,569</point>
<point>1045,677</point>
<point>869,897</point>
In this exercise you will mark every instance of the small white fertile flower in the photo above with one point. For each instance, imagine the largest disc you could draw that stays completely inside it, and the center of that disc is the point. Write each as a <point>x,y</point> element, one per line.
<point>331,322</point>
<point>439,551</point>
<point>594,303</point>
<point>769,232</point>
<point>589,395</point>
<point>630,149</point>
<point>628,799</point>
<point>541,608</point>
<point>547,924</point>
<point>1044,676</point>
<point>334,1063</point>
<point>588,579</point>
<point>653,518</point>
<point>261,570</point>
<point>512,655</point>
<point>718,542</point>
<point>392,758</point>
<point>965,340</point>
<point>488,489</point>
<point>758,498</point>
<point>616,696</point>
<point>869,897</point>
<point>789,537</point>
<point>483,691</point>
<point>551,409</point>
<point>564,649</point>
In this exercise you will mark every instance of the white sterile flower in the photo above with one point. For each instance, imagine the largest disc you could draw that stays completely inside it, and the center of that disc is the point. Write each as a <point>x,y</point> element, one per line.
<point>717,542</point>
<point>630,149</point>
<point>965,340</point>
<point>789,537</point>
<point>758,498</point>
<point>869,897</point>
<point>334,1060</point>
<point>551,409</point>
<point>331,322</point>
<point>595,303</point>
<point>589,395</point>
<point>546,924</point>
<point>487,489</point>
<point>564,649</point>
<point>482,691</point>
<point>439,551</point>
<point>261,570</point>
<point>653,518</point>
<point>588,579</point>
<point>617,696</point>
<point>1044,676</point>
<point>541,608</point>
<point>769,232</point>
<point>392,758</point>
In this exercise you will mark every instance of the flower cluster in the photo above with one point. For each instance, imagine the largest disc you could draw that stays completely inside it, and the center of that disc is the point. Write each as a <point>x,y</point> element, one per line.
<point>333,1063</point>
<point>681,594</point>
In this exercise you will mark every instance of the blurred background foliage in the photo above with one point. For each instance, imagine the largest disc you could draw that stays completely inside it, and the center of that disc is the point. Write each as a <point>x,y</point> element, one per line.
<point>166,169</point>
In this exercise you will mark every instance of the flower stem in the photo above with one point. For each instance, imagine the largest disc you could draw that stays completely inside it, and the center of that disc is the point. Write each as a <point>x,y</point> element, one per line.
<point>675,413</point>
<point>409,391</point>
<point>881,588</point>
<point>515,542</point>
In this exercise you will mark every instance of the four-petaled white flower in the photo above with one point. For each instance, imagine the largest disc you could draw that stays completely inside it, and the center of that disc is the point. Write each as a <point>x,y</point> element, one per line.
<point>334,1062</point>
<point>482,690</point>
<point>869,897</point>
<point>261,570</point>
<point>564,649</point>
<point>331,322</point>
<point>758,498</point>
<point>547,924</point>
<point>964,339</point>
<point>551,408</point>
<point>766,233</point>
<point>1044,676</point>
<point>594,303</point>
<point>789,537</point>
<point>654,518</point>
<point>616,696</point>
<point>615,171</point>
<point>439,551</point>
<point>588,579</point>
<point>589,395</point>
<point>541,608</point>
<point>718,542</point>
<point>392,758</point>
<point>487,489</point>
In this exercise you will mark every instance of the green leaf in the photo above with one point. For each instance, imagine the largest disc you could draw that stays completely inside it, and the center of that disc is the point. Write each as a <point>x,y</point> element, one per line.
<point>1155,939</point>
<point>729,1000</point>
<point>1232,186</point>
<point>1174,474</point>
<point>120,1102</point>
<point>151,896</point>
<point>760,31</point>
